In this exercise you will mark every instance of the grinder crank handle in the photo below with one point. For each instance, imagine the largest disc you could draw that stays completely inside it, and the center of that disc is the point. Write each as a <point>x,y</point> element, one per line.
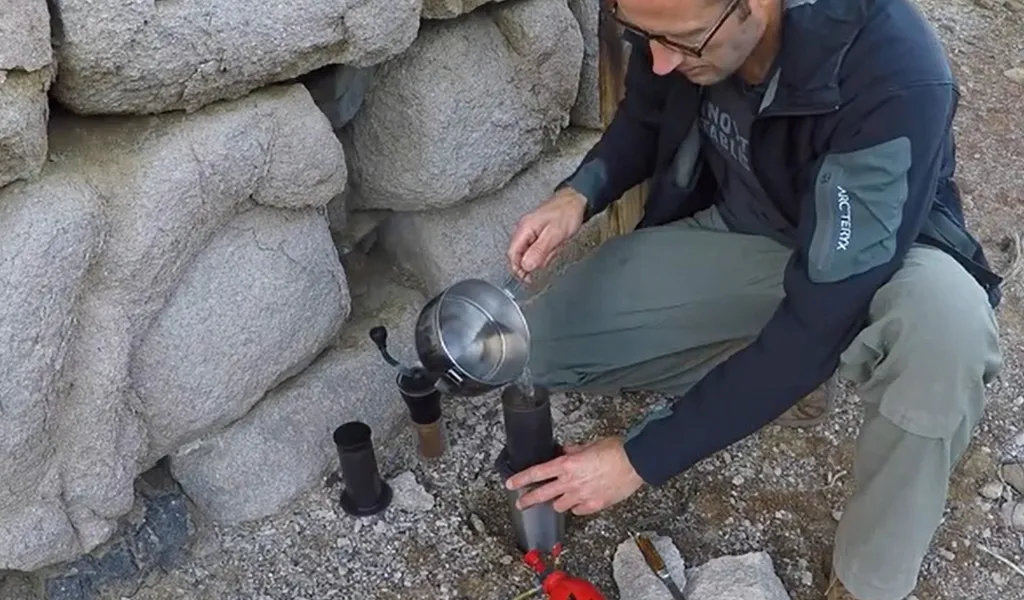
<point>379,335</point>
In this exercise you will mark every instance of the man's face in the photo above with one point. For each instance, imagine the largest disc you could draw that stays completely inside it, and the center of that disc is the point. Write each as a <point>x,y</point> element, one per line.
<point>676,25</point>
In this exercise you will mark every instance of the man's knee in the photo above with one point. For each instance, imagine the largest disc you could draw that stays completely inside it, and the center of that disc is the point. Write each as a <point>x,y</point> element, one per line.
<point>940,341</point>
<point>944,314</point>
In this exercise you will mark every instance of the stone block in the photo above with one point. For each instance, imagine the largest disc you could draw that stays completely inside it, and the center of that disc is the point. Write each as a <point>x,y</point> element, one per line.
<point>140,56</point>
<point>470,104</point>
<point>283,447</point>
<point>744,577</point>
<point>260,302</point>
<point>26,73</point>
<point>587,110</point>
<point>443,246</point>
<point>53,228</point>
<point>98,245</point>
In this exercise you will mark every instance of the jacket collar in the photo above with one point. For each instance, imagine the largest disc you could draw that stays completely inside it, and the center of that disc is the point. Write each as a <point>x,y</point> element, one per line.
<point>815,37</point>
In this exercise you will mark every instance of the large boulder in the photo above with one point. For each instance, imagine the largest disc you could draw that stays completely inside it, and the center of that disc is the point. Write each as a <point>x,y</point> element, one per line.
<point>141,56</point>
<point>284,446</point>
<point>128,211</point>
<point>53,229</point>
<point>587,110</point>
<point>443,246</point>
<point>26,72</point>
<point>470,104</point>
<point>261,300</point>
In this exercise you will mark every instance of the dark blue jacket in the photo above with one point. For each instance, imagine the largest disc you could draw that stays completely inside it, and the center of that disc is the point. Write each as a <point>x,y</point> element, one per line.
<point>854,146</point>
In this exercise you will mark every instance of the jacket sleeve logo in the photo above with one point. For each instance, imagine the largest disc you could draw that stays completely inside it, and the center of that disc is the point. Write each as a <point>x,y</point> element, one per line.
<point>845,215</point>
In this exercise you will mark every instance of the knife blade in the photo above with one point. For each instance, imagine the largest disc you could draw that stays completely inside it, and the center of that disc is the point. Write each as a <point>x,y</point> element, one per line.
<point>657,564</point>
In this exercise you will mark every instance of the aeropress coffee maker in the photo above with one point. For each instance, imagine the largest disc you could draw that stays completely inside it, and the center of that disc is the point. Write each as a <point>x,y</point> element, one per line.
<point>529,441</point>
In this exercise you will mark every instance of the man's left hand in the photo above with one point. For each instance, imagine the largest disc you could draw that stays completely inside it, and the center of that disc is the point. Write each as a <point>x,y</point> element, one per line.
<point>585,479</point>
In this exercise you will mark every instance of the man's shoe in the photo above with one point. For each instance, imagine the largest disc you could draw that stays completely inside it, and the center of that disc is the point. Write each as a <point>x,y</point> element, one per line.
<point>813,408</point>
<point>837,591</point>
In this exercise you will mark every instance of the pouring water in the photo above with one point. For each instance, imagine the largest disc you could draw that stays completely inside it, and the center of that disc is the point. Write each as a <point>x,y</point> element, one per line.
<point>525,382</point>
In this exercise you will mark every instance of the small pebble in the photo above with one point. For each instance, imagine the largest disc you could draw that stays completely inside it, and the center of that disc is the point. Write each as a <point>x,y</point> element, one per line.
<point>1015,75</point>
<point>478,524</point>
<point>837,514</point>
<point>1013,475</point>
<point>999,579</point>
<point>1013,515</point>
<point>991,490</point>
<point>946,554</point>
<point>506,559</point>
<point>738,480</point>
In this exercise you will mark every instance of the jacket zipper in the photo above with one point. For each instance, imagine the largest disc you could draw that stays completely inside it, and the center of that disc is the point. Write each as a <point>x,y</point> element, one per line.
<point>754,131</point>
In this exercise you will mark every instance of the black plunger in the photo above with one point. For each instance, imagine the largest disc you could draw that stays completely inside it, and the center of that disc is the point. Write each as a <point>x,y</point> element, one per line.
<point>529,434</point>
<point>364,492</point>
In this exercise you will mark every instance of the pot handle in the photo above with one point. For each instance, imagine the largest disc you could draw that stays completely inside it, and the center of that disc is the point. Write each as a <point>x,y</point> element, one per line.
<point>512,287</point>
<point>450,383</point>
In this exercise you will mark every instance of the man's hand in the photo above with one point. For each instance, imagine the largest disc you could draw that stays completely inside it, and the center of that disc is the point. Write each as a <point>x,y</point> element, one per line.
<point>540,234</point>
<point>585,480</point>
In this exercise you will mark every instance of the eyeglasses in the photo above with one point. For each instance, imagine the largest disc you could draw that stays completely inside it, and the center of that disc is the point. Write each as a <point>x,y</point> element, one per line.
<point>694,51</point>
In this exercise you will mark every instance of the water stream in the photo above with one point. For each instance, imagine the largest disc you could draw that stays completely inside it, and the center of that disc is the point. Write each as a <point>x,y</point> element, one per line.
<point>525,382</point>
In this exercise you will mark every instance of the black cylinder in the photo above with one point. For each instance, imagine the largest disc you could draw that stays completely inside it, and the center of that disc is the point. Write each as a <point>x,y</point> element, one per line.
<point>529,434</point>
<point>421,396</point>
<point>423,399</point>
<point>364,492</point>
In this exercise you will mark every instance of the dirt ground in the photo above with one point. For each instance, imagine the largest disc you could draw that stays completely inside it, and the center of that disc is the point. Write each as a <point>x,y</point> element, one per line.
<point>779,491</point>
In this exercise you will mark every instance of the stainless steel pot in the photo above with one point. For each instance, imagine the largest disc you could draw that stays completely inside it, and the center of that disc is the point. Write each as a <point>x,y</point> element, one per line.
<point>474,337</point>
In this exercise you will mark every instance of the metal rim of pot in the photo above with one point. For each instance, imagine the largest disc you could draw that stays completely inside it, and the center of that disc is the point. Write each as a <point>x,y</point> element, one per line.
<point>456,372</point>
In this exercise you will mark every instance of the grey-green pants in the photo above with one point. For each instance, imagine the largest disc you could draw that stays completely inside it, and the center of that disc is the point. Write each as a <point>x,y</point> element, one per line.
<point>658,308</point>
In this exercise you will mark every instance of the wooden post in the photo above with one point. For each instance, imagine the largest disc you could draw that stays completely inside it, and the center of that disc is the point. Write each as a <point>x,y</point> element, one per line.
<point>622,216</point>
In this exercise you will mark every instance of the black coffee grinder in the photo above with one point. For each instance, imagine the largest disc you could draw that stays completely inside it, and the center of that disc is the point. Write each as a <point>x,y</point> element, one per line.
<point>418,390</point>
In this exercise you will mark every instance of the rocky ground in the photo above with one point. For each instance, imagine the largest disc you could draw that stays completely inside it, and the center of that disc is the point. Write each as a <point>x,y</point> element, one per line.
<point>447,534</point>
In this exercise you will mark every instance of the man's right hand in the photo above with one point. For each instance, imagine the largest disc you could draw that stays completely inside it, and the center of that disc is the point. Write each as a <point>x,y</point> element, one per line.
<point>540,234</point>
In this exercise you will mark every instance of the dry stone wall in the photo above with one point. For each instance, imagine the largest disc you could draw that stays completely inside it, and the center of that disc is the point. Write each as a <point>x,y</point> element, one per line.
<point>206,206</point>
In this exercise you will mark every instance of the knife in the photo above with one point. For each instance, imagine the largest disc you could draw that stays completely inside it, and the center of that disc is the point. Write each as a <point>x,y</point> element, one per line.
<point>657,564</point>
